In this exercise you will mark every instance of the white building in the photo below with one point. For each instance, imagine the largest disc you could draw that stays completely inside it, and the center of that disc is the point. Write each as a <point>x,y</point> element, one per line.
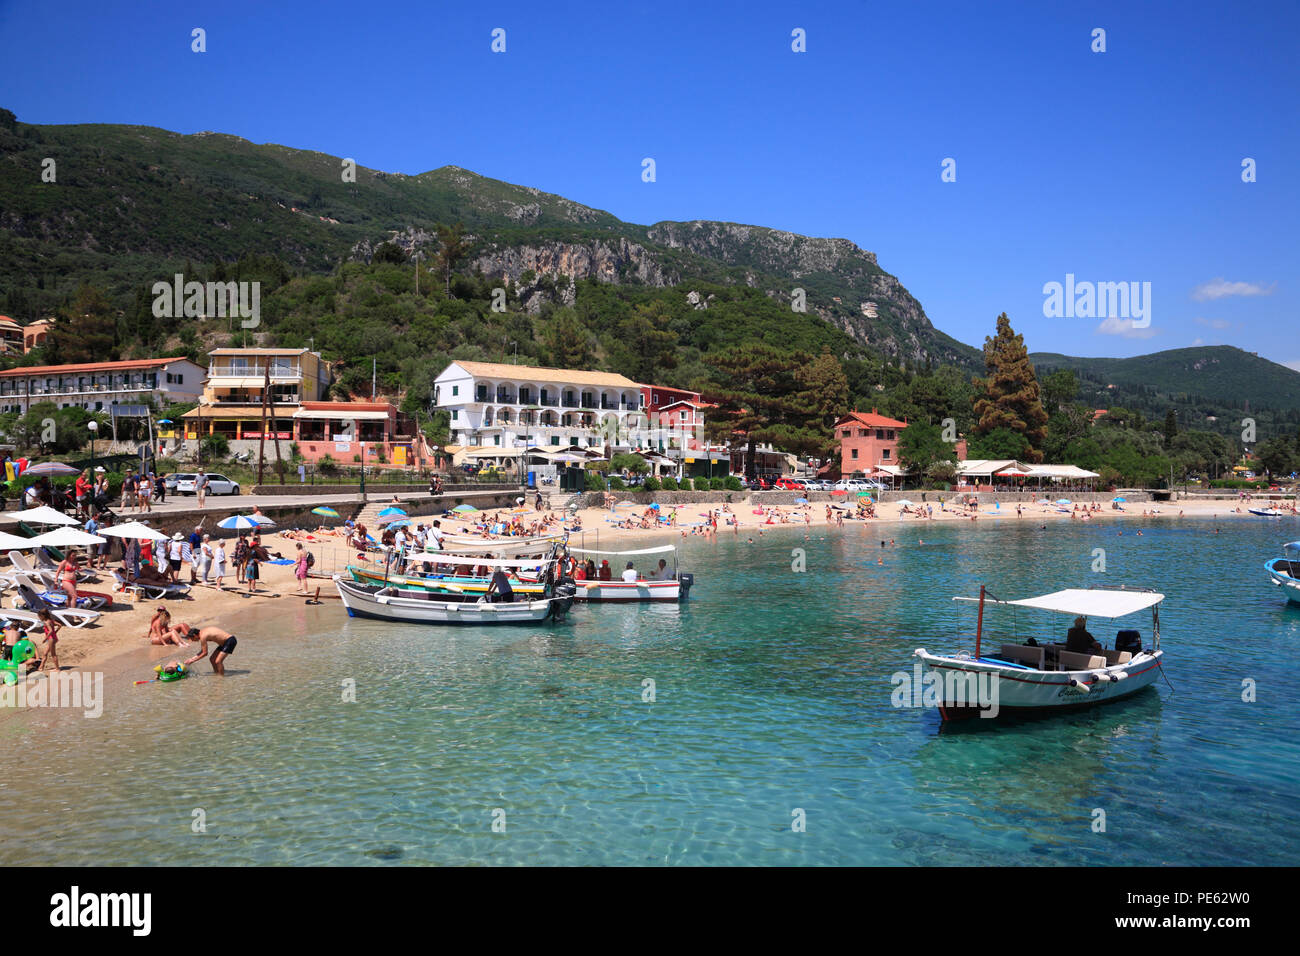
<point>516,406</point>
<point>95,386</point>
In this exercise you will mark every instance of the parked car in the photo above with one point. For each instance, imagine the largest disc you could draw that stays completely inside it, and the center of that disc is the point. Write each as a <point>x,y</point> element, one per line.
<point>217,485</point>
<point>173,479</point>
<point>789,484</point>
<point>852,484</point>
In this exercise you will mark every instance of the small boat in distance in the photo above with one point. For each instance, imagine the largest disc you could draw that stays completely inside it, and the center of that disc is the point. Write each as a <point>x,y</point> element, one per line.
<point>1266,512</point>
<point>1045,676</point>
<point>1285,571</point>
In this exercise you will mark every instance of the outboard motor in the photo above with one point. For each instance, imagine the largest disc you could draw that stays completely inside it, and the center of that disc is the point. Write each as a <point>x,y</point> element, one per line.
<point>1130,641</point>
<point>685,581</point>
<point>562,599</point>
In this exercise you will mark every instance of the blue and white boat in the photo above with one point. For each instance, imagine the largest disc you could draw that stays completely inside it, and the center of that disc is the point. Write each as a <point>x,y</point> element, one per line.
<point>1285,571</point>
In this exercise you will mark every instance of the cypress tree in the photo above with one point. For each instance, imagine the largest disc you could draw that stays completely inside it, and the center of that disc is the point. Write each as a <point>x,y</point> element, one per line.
<point>1011,396</point>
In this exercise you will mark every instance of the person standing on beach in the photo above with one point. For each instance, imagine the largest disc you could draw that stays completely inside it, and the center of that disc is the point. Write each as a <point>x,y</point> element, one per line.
<point>195,542</point>
<point>250,569</point>
<point>175,549</point>
<point>219,563</point>
<point>300,568</point>
<point>241,557</point>
<point>205,560</point>
<point>225,646</point>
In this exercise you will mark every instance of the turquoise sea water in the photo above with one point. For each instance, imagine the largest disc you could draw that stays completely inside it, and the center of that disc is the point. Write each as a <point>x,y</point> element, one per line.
<point>772,695</point>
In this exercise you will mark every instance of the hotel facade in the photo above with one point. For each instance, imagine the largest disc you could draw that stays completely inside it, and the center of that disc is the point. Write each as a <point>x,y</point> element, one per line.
<point>511,407</point>
<point>98,386</point>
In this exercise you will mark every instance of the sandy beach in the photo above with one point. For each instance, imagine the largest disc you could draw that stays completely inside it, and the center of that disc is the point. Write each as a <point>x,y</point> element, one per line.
<point>121,631</point>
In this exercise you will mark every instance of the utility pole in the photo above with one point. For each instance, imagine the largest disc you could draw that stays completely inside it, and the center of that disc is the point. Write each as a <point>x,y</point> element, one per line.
<point>373,366</point>
<point>261,436</point>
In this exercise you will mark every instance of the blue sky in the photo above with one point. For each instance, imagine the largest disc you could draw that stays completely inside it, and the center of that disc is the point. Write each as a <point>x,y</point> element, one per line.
<point>1115,166</point>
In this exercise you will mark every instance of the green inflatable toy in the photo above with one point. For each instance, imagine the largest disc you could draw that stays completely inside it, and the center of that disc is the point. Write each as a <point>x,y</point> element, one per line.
<point>180,673</point>
<point>23,651</point>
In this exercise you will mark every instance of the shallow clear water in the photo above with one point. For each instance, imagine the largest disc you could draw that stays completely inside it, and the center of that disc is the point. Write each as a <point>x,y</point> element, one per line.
<point>772,694</point>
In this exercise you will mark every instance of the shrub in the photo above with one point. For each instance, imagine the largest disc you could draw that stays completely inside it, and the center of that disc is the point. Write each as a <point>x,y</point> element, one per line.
<point>669,484</point>
<point>595,481</point>
<point>216,446</point>
<point>327,466</point>
<point>718,484</point>
<point>731,483</point>
<point>652,484</point>
<point>616,484</point>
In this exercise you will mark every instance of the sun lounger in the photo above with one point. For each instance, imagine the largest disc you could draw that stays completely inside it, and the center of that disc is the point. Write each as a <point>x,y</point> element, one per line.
<point>149,590</point>
<point>72,617</point>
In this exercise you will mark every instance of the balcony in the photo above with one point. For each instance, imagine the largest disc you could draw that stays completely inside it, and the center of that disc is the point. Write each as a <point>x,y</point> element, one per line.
<point>278,372</point>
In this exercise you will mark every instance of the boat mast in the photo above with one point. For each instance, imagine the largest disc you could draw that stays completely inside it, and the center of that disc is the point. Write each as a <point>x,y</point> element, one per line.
<point>979,624</point>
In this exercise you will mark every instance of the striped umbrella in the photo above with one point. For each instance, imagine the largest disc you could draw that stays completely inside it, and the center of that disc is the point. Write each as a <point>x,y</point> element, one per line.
<point>325,512</point>
<point>464,509</point>
<point>239,523</point>
<point>392,510</point>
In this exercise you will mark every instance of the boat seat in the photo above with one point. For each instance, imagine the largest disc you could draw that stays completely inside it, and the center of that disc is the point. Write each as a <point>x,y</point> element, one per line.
<point>1022,654</point>
<point>1072,661</point>
<point>1118,657</point>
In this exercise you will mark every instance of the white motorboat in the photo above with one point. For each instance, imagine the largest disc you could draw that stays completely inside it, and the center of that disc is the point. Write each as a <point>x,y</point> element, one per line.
<point>1047,676</point>
<point>616,591</point>
<point>1266,512</point>
<point>1285,571</point>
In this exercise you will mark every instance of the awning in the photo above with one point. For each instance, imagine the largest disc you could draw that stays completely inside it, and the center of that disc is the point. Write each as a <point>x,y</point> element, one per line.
<point>340,416</point>
<point>661,550</point>
<point>1088,602</point>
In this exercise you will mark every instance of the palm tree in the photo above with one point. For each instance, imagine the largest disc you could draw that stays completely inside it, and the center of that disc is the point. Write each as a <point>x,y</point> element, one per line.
<point>452,247</point>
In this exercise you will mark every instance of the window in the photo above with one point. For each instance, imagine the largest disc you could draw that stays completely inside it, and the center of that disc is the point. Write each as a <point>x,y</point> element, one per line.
<point>555,439</point>
<point>891,434</point>
<point>853,453</point>
<point>848,432</point>
<point>886,454</point>
<point>455,414</point>
<point>455,390</point>
<point>496,439</point>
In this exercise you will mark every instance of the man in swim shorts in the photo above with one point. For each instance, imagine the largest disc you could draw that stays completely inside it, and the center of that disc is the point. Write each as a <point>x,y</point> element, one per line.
<point>225,646</point>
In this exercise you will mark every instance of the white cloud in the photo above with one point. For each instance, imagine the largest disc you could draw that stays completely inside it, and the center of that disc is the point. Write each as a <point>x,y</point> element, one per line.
<point>1197,341</point>
<point>1125,327</point>
<point>1213,323</point>
<point>1221,288</point>
<point>1295,364</point>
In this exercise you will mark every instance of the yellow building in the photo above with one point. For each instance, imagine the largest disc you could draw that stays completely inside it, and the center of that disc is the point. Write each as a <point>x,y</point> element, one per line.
<point>232,398</point>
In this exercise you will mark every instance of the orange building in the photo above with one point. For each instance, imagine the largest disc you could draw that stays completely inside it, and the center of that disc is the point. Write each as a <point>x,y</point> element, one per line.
<point>867,441</point>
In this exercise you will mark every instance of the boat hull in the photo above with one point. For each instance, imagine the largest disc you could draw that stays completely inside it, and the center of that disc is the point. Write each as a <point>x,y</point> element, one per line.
<point>1024,690</point>
<point>1279,571</point>
<point>389,604</point>
<point>622,592</point>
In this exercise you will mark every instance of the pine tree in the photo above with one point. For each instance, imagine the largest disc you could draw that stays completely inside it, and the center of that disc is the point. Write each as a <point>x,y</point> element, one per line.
<point>1011,396</point>
<point>86,330</point>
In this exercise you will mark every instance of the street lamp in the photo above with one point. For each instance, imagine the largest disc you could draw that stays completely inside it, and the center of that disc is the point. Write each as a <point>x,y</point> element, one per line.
<point>94,427</point>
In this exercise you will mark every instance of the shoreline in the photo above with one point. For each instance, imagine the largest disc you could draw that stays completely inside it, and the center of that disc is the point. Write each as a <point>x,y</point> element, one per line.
<point>117,640</point>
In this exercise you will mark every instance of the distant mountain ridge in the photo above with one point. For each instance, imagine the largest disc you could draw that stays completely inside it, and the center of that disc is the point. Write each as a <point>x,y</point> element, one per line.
<point>133,204</point>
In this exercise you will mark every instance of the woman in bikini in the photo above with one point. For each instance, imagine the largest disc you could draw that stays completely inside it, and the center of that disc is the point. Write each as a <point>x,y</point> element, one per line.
<point>160,627</point>
<point>68,570</point>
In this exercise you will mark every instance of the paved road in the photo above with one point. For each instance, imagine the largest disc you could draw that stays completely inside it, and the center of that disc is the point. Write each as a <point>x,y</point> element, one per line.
<point>244,503</point>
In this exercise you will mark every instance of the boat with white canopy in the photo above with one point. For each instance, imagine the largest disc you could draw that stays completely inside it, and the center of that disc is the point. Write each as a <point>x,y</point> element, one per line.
<point>615,591</point>
<point>444,571</point>
<point>503,547</point>
<point>1285,571</point>
<point>1048,676</point>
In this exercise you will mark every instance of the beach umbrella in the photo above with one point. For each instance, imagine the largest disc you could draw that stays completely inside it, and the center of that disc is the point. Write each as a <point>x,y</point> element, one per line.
<point>133,529</point>
<point>165,421</point>
<point>64,538</point>
<point>325,512</point>
<point>903,501</point>
<point>52,468</point>
<point>1062,501</point>
<point>43,515</point>
<point>839,491</point>
<point>389,518</point>
<point>801,501</point>
<point>626,504</point>
<point>1042,501</point>
<point>464,509</point>
<point>655,506</point>
<point>392,510</point>
<point>263,520</point>
<point>11,542</point>
<point>1119,499</point>
<point>239,523</point>
<point>403,523</point>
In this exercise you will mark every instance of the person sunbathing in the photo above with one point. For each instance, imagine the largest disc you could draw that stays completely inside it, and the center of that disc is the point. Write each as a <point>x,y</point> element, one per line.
<point>148,574</point>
